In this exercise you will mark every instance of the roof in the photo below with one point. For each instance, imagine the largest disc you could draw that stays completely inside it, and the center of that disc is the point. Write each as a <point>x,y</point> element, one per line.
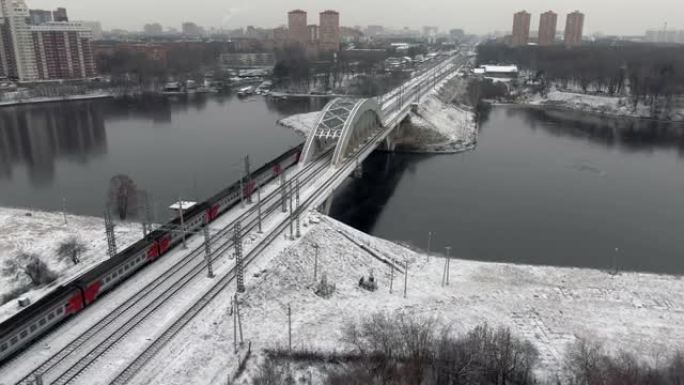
<point>297,11</point>
<point>185,204</point>
<point>500,68</point>
<point>329,12</point>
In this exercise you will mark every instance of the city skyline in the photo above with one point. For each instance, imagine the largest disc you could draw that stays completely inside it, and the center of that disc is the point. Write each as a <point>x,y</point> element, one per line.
<point>475,18</point>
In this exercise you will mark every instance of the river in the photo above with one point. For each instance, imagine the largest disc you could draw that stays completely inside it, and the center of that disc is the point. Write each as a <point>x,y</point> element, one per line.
<point>538,188</point>
<point>187,146</point>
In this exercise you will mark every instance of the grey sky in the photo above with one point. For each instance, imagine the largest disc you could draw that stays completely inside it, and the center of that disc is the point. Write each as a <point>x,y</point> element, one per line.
<point>479,16</point>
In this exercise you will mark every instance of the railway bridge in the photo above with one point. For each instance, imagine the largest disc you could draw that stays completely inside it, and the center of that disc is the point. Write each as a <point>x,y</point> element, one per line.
<point>350,129</point>
<point>114,344</point>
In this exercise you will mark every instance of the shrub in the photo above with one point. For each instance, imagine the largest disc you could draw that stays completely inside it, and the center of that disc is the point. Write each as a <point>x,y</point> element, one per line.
<point>32,266</point>
<point>325,289</point>
<point>369,284</point>
<point>72,249</point>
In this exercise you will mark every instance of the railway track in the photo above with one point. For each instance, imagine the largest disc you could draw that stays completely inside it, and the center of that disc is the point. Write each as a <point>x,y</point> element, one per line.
<point>139,362</point>
<point>143,306</point>
<point>166,289</point>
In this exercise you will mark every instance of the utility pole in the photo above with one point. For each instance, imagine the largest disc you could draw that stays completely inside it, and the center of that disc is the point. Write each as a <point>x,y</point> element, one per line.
<point>111,238</point>
<point>291,219</point>
<point>429,241</point>
<point>448,268</point>
<point>299,213</point>
<point>445,278</point>
<point>64,211</point>
<point>234,326</point>
<point>405,276</point>
<point>259,208</point>
<point>148,211</point>
<point>401,96</point>
<point>289,328</point>
<point>237,240</point>
<point>315,261</point>
<point>391,276</point>
<point>182,221</point>
<point>207,248</point>
<point>249,179</point>
<point>242,192</point>
<point>239,319</point>
<point>283,190</point>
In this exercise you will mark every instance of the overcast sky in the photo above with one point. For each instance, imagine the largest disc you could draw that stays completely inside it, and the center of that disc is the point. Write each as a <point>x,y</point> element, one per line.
<point>478,16</point>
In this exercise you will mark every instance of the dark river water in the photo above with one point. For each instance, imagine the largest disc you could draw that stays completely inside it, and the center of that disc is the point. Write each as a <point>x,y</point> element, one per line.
<point>169,147</point>
<point>537,189</point>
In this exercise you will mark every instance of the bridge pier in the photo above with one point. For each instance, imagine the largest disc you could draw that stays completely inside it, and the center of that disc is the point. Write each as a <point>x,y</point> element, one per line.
<point>388,144</point>
<point>358,171</point>
<point>326,206</point>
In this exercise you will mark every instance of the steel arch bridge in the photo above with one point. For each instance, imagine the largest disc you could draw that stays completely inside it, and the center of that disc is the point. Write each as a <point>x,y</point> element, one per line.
<point>344,123</point>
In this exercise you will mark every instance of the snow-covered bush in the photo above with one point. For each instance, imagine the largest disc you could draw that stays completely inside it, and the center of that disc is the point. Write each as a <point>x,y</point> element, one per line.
<point>369,284</point>
<point>324,289</point>
<point>71,249</point>
<point>30,265</point>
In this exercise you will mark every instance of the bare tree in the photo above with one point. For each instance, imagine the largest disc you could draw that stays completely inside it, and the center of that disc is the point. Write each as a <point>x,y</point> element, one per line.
<point>123,196</point>
<point>72,249</point>
<point>30,265</point>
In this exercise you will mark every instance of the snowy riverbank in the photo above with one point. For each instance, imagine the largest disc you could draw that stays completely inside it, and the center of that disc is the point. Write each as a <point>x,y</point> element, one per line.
<point>10,101</point>
<point>40,233</point>
<point>603,105</point>
<point>552,307</point>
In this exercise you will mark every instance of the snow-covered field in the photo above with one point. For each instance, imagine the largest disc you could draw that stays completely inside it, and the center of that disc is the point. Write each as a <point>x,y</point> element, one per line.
<point>598,104</point>
<point>39,232</point>
<point>17,98</point>
<point>456,124</point>
<point>552,307</point>
<point>301,123</point>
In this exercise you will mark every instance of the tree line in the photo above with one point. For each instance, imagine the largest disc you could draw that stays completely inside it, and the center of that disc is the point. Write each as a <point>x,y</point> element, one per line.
<point>648,73</point>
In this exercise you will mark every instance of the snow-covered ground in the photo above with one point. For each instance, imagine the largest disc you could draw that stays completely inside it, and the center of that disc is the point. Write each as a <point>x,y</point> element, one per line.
<point>39,232</point>
<point>436,113</point>
<point>18,98</point>
<point>552,307</point>
<point>598,104</point>
<point>301,123</point>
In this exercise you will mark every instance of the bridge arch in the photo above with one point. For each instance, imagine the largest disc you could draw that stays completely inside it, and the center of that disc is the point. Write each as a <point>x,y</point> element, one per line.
<point>343,123</point>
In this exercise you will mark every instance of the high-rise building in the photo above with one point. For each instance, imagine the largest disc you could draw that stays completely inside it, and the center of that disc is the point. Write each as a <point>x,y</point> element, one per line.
<point>547,28</point>
<point>457,34</point>
<point>430,30</point>
<point>280,35</point>
<point>192,29</point>
<point>521,29</point>
<point>313,33</point>
<point>95,28</point>
<point>329,31</point>
<point>63,51</point>
<point>374,30</point>
<point>298,32</point>
<point>154,29</point>
<point>574,27</point>
<point>60,14</point>
<point>40,16</point>
<point>45,51</point>
<point>17,57</point>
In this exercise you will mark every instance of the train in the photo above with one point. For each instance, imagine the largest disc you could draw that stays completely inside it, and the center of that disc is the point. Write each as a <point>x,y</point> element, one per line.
<point>68,299</point>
